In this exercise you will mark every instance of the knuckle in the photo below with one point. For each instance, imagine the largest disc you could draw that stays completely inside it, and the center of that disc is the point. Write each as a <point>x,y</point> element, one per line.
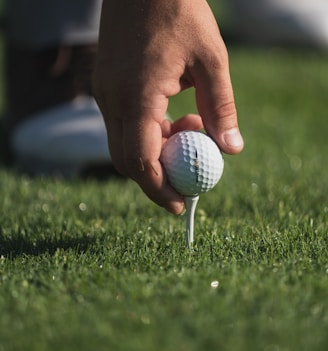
<point>226,110</point>
<point>135,166</point>
<point>139,168</point>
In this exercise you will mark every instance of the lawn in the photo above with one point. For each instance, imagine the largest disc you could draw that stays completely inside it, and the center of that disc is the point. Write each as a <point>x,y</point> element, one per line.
<point>94,265</point>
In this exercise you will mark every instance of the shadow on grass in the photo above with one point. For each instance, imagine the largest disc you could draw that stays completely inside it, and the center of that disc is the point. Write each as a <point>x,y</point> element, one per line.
<point>12,248</point>
<point>21,245</point>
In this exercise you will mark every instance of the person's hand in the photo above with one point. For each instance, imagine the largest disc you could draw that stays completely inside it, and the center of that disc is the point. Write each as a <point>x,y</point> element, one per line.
<point>148,51</point>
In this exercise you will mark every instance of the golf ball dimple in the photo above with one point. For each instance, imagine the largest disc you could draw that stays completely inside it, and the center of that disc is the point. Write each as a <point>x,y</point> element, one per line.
<point>192,161</point>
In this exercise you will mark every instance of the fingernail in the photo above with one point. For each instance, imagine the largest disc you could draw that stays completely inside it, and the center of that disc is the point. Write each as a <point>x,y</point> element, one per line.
<point>233,138</point>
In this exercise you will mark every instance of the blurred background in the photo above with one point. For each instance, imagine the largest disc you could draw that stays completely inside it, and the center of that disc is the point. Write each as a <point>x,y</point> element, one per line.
<point>278,62</point>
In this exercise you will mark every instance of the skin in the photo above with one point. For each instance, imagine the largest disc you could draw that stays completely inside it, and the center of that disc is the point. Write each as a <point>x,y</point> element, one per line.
<point>150,50</point>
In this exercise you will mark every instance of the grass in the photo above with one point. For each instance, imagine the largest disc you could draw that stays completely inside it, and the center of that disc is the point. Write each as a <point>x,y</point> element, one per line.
<point>87,265</point>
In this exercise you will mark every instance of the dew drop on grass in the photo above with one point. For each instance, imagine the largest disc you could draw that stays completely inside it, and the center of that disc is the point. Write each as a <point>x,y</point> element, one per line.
<point>82,206</point>
<point>215,284</point>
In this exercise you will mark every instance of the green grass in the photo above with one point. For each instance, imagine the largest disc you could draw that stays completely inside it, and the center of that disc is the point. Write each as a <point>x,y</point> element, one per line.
<point>87,265</point>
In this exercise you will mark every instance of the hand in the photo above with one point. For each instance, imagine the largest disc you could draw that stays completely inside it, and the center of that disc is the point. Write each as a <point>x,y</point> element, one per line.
<point>148,51</point>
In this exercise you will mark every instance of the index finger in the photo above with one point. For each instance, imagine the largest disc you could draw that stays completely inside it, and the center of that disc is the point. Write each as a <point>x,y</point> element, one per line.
<point>215,98</point>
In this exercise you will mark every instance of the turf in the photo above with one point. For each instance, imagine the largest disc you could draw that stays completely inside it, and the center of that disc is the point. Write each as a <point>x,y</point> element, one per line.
<point>89,265</point>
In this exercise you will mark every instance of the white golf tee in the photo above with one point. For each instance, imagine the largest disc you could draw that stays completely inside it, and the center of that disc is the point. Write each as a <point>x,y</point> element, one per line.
<point>190,203</point>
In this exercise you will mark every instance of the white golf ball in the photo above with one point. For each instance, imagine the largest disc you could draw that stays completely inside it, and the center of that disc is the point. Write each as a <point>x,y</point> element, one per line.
<point>192,161</point>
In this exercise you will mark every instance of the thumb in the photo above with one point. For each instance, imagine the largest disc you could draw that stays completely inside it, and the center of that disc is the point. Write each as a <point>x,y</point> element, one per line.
<point>216,105</point>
